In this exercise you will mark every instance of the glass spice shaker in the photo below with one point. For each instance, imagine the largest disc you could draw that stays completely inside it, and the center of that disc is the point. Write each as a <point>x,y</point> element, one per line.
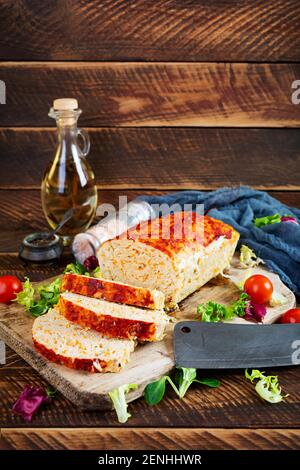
<point>69,181</point>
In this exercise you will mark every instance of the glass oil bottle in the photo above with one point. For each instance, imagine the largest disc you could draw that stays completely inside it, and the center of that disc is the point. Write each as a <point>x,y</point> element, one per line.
<point>69,181</point>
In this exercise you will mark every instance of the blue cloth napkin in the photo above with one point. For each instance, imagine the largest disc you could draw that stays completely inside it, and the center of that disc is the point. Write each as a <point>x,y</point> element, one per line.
<point>277,244</point>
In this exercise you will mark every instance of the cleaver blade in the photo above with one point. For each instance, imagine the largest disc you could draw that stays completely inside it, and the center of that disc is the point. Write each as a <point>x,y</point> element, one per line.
<point>233,346</point>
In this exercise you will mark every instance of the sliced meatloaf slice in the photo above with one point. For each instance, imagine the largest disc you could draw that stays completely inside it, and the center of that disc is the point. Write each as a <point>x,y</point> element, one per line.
<point>67,343</point>
<point>113,320</point>
<point>113,291</point>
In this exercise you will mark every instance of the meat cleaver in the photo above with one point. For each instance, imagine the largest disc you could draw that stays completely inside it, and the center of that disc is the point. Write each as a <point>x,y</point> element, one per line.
<point>233,346</point>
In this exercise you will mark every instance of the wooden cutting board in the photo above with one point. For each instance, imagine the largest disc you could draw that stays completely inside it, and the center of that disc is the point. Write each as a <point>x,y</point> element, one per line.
<point>149,361</point>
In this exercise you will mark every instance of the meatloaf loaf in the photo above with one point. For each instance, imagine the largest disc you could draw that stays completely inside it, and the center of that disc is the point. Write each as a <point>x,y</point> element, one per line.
<point>176,254</point>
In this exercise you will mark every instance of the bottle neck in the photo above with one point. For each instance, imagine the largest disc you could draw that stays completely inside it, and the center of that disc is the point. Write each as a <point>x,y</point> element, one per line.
<point>68,149</point>
<point>67,132</point>
<point>66,122</point>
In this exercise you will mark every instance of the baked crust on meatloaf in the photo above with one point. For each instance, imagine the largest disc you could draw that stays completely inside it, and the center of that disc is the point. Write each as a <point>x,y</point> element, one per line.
<point>159,255</point>
<point>113,291</point>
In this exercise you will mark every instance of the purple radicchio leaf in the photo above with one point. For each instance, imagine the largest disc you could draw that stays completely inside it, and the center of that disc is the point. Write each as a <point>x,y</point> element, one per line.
<point>289,218</point>
<point>255,311</point>
<point>248,313</point>
<point>30,399</point>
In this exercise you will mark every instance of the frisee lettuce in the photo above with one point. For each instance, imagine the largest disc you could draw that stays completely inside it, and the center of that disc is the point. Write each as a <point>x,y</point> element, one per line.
<point>78,268</point>
<point>277,299</point>
<point>97,272</point>
<point>248,259</point>
<point>39,302</point>
<point>26,296</point>
<point>118,398</point>
<point>267,386</point>
<point>215,312</point>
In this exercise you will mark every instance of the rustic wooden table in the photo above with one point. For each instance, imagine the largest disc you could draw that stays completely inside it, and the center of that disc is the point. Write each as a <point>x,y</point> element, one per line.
<point>229,417</point>
<point>177,94</point>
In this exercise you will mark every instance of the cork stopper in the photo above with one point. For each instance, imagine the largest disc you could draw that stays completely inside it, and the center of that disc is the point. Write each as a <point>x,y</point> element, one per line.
<point>65,104</point>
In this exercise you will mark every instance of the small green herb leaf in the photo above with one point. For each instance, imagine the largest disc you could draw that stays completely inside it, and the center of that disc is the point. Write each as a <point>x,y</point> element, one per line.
<point>51,392</point>
<point>154,392</point>
<point>212,383</point>
<point>184,377</point>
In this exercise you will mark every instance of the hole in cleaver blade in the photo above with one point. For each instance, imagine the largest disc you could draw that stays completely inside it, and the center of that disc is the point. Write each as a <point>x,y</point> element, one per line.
<point>230,346</point>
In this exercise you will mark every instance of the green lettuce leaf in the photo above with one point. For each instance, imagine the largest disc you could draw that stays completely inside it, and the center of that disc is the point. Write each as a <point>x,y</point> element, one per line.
<point>118,398</point>
<point>26,296</point>
<point>76,268</point>
<point>248,259</point>
<point>267,220</point>
<point>39,302</point>
<point>155,391</point>
<point>215,312</point>
<point>267,386</point>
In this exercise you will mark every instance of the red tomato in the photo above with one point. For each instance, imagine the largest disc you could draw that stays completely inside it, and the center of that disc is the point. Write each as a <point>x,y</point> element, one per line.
<point>291,316</point>
<point>9,287</point>
<point>259,288</point>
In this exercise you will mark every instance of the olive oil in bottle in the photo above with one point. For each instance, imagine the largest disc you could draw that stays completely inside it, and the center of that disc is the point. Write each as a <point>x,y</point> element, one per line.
<point>69,181</point>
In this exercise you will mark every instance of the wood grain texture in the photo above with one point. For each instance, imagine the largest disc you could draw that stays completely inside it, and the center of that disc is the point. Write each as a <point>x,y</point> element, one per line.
<point>234,404</point>
<point>141,30</point>
<point>162,158</point>
<point>153,94</point>
<point>21,213</point>
<point>149,439</point>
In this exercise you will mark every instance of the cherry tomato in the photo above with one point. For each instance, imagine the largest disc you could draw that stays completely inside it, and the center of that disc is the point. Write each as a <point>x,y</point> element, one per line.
<point>9,287</point>
<point>291,316</point>
<point>259,288</point>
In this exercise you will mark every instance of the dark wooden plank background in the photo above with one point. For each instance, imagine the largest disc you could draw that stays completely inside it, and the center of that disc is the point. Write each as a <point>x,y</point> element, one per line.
<point>153,94</point>
<point>163,158</point>
<point>192,30</point>
<point>149,438</point>
<point>176,94</point>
